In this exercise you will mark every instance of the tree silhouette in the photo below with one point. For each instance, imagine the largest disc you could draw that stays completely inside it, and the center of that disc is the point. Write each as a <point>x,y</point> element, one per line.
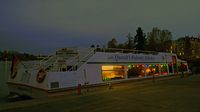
<point>92,46</point>
<point>140,40</point>
<point>121,46</point>
<point>152,39</point>
<point>112,43</point>
<point>165,40</point>
<point>187,47</point>
<point>159,40</point>
<point>130,43</point>
<point>97,46</point>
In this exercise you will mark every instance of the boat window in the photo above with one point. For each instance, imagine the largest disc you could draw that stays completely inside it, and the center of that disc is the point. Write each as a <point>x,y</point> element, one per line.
<point>135,70</point>
<point>54,85</point>
<point>152,69</point>
<point>111,72</point>
<point>174,62</point>
<point>170,68</point>
<point>163,69</point>
<point>182,67</point>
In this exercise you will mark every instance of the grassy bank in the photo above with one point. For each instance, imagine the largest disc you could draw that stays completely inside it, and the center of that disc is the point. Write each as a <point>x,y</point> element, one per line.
<point>180,95</point>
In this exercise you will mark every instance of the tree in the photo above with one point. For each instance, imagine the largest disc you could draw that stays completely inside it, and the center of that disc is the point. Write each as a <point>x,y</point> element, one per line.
<point>92,46</point>
<point>121,46</point>
<point>165,40</point>
<point>112,43</point>
<point>130,43</point>
<point>97,46</point>
<point>159,40</point>
<point>140,40</point>
<point>21,56</point>
<point>187,47</point>
<point>152,39</point>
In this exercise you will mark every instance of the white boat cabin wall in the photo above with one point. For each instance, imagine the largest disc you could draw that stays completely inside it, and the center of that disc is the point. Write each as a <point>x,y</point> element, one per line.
<point>69,67</point>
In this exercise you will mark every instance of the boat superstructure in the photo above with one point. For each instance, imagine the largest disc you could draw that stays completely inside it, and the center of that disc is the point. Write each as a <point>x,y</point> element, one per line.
<point>70,67</point>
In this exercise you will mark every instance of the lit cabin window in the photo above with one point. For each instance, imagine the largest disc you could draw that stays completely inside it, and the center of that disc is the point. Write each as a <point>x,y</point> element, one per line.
<point>107,67</point>
<point>154,69</point>
<point>182,67</point>
<point>135,70</point>
<point>163,69</point>
<point>112,72</point>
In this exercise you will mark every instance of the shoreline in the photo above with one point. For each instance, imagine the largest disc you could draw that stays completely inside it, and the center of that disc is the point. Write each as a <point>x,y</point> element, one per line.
<point>146,94</point>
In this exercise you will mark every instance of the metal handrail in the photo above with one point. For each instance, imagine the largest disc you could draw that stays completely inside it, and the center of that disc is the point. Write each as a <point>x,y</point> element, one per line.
<point>82,60</point>
<point>124,50</point>
<point>85,58</point>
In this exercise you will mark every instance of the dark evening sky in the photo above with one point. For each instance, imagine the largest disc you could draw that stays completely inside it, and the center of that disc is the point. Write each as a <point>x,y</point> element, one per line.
<point>41,26</point>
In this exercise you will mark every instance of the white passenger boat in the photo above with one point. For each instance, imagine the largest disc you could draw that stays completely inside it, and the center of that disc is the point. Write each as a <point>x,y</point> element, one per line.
<point>70,67</point>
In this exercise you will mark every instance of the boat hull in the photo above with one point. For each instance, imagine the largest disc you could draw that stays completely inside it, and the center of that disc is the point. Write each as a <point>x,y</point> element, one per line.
<point>26,90</point>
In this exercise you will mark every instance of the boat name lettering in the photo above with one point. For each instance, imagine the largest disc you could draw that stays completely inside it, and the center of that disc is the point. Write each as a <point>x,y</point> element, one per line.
<point>130,57</point>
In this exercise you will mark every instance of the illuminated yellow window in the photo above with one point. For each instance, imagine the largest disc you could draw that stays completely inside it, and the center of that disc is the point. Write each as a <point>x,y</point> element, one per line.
<point>110,72</point>
<point>107,67</point>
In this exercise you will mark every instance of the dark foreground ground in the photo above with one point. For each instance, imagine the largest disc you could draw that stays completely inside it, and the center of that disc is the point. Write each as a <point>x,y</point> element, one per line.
<point>174,95</point>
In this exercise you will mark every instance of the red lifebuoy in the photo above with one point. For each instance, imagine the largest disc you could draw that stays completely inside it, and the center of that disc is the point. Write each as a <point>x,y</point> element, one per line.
<point>41,75</point>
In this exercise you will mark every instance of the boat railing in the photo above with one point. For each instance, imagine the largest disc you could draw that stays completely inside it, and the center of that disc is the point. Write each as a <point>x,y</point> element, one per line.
<point>72,63</point>
<point>82,60</point>
<point>45,59</point>
<point>86,57</point>
<point>72,60</point>
<point>117,50</point>
<point>46,62</point>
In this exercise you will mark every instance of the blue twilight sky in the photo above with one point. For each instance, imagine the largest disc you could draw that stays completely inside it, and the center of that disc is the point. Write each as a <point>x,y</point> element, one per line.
<point>41,26</point>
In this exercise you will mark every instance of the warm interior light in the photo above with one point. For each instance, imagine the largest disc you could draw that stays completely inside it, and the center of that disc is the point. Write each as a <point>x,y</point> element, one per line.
<point>148,70</point>
<point>107,67</point>
<point>131,66</point>
<point>110,72</point>
<point>164,73</point>
<point>156,74</point>
<point>140,76</point>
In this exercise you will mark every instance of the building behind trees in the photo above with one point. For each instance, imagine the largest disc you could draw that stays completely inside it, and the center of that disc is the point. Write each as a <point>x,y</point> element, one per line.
<point>188,47</point>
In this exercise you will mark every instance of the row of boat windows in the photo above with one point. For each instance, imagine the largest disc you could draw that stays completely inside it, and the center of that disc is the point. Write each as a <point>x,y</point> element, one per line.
<point>111,72</point>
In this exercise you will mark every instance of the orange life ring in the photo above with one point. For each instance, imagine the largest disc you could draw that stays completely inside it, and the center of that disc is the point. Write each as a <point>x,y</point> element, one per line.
<point>41,75</point>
